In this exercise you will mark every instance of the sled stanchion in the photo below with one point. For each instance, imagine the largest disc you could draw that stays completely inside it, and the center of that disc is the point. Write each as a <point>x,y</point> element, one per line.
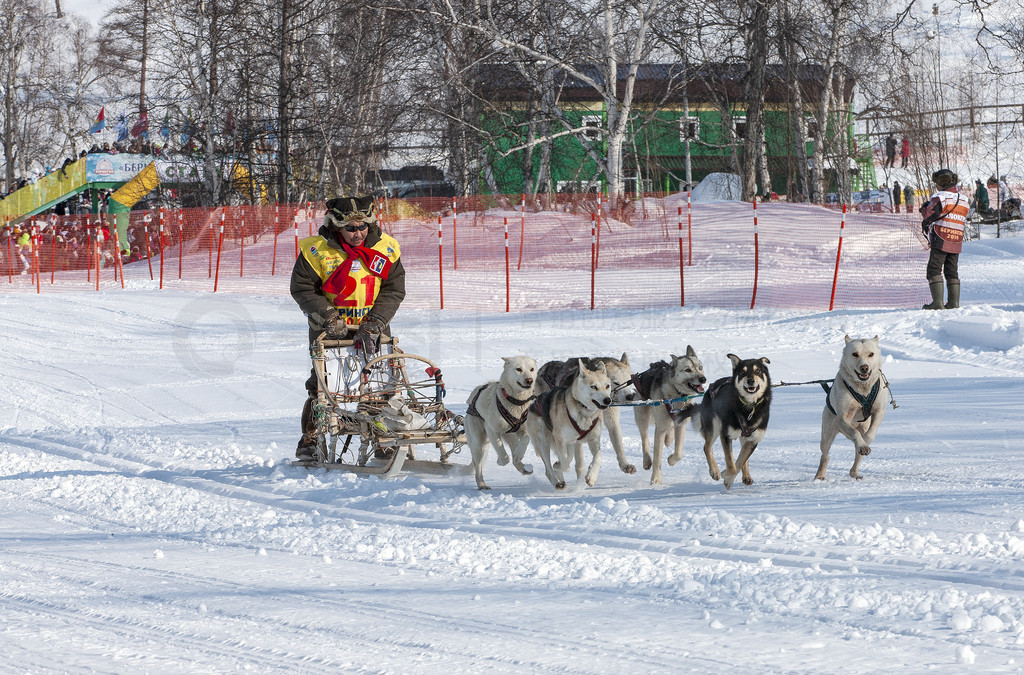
<point>689,228</point>
<point>682,286</point>
<point>839,250</point>
<point>273,259</point>
<point>753,297</point>
<point>593,256</point>
<point>440,262</point>
<point>220,245</point>
<point>455,233</point>
<point>508,282</point>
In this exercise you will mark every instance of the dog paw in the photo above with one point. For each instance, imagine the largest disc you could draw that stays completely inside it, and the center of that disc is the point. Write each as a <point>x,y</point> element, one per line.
<point>715,474</point>
<point>727,479</point>
<point>525,469</point>
<point>748,481</point>
<point>865,451</point>
<point>503,460</point>
<point>591,481</point>
<point>556,465</point>
<point>655,480</point>
<point>483,487</point>
<point>629,468</point>
<point>819,476</point>
<point>648,463</point>
<point>560,485</point>
<point>673,459</point>
<point>855,475</point>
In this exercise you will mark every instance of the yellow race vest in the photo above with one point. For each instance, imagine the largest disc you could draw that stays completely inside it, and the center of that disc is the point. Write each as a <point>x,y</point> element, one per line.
<point>361,288</point>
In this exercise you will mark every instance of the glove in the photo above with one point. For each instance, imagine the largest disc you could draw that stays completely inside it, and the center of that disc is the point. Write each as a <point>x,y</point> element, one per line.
<point>367,336</point>
<point>335,327</point>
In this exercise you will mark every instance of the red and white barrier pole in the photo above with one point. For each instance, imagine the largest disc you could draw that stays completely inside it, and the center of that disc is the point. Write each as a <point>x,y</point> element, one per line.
<point>682,286</point>
<point>277,218</point>
<point>522,232</point>
<point>689,228</point>
<point>440,262</point>
<point>309,220</point>
<point>99,252</point>
<point>160,242</point>
<point>835,276</point>
<point>593,256</point>
<point>508,280</point>
<point>220,246</point>
<point>209,272</point>
<point>35,258</point>
<point>89,248</point>
<point>753,297</point>
<point>241,248</point>
<point>118,265</point>
<point>597,240</point>
<point>149,249</point>
<point>181,240</point>
<point>295,226</point>
<point>10,249</point>
<point>455,233</point>
<point>53,248</point>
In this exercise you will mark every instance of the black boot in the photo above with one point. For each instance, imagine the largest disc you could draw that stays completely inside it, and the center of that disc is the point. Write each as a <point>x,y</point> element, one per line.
<point>953,293</point>
<point>306,449</point>
<point>936,288</point>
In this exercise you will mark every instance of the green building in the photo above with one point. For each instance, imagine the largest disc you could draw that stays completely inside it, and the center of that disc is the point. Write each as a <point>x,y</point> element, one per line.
<point>670,106</point>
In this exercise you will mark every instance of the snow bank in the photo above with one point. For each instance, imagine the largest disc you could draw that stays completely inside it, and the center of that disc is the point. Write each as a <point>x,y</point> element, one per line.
<point>718,187</point>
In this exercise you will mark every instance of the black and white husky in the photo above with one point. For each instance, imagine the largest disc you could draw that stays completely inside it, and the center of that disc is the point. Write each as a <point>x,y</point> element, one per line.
<point>663,381</point>
<point>496,413</point>
<point>854,404</point>
<point>561,419</point>
<point>559,373</point>
<point>735,407</point>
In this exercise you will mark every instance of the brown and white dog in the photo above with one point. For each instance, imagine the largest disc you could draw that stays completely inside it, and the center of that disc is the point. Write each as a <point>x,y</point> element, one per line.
<point>853,404</point>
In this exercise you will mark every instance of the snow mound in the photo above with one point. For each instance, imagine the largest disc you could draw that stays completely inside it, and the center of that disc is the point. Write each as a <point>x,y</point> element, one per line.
<point>718,187</point>
<point>982,332</point>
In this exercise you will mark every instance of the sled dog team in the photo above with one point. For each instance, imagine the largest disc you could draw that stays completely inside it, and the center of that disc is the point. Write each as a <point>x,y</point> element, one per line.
<point>564,404</point>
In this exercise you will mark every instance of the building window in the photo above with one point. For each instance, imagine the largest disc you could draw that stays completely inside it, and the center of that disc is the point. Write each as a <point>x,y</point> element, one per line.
<point>811,128</point>
<point>689,128</point>
<point>592,127</point>
<point>739,126</point>
<point>577,187</point>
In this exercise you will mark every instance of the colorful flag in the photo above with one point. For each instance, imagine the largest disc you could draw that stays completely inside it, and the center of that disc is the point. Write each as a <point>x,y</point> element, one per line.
<point>121,127</point>
<point>142,126</point>
<point>100,124</point>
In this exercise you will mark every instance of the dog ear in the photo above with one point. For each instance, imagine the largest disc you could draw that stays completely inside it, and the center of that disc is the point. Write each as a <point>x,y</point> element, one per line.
<point>735,359</point>
<point>583,368</point>
<point>689,351</point>
<point>625,358</point>
<point>848,338</point>
<point>875,339</point>
<point>764,360</point>
<point>506,359</point>
<point>673,357</point>
<point>600,368</point>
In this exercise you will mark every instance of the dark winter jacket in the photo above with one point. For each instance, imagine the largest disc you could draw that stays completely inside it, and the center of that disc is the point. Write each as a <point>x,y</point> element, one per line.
<point>306,285</point>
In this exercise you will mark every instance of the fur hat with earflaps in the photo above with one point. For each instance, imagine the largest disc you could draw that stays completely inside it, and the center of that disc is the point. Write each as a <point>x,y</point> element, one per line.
<point>945,178</point>
<point>341,210</point>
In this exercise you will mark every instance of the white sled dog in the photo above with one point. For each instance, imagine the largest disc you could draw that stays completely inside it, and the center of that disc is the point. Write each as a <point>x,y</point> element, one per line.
<point>561,419</point>
<point>559,373</point>
<point>853,404</point>
<point>735,407</point>
<point>497,413</point>
<point>683,376</point>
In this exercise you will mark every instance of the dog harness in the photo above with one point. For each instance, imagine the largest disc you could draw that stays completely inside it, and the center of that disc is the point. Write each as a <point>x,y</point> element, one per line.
<point>747,426</point>
<point>645,380</point>
<point>542,407</point>
<point>514,423</point>
<point>866,402</point>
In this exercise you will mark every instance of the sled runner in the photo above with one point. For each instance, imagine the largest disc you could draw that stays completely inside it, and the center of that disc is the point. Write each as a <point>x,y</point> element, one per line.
<point>380,406</point>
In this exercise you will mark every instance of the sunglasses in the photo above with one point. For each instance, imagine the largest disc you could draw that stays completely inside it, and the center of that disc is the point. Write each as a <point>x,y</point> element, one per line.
<point>356,228</point>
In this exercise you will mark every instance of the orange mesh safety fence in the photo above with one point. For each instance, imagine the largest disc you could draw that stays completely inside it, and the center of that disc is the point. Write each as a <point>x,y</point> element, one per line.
<point>567,253</point>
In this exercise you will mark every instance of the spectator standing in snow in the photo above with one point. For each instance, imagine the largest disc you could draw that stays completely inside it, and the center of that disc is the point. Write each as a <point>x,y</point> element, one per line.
<point>905,152</point>
<point>981,204</point>
<point>908,197</point>
<point>945,215</point>
<point>890,151</point>
<point>897,196</point>
<point>349,281</point>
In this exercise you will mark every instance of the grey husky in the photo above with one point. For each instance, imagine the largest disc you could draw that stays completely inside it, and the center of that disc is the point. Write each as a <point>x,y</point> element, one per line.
<point>853,405</point>
<point>561,419</point>
<point>497,413</point>
<point>683,376</point>
<point>735,407</point>
<point>559,373</point>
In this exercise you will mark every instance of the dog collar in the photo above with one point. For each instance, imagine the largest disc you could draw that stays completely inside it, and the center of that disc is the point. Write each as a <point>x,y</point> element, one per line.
<point>581,432</point>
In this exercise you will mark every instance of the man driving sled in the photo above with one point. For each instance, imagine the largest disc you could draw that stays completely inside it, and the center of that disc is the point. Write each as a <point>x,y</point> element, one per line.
<point>349,282</point>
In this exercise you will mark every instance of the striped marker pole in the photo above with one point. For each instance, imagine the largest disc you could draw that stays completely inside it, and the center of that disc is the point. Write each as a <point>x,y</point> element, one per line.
<point>508,281</point>
<point>835,276</point>
<point>440,262</point>
<point>753,298</point>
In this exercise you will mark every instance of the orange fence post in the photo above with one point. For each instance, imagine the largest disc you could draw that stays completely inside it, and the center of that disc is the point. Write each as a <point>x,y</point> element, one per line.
<point>35,257</point>
<point>241,247</point>
<point>220,245</point>
<point>440,262</point>
<point>98,252</point>
<point>10,251</point>
<point>118,265</point>
<point>455,233</point>
<point>522,232</point>
<point>53,248</point>
<point>181,240</point>
<point>160,243</point>
<point>753,297</point>
<point>149,249</point>
<point>835,277</point>
<point>689,227</point>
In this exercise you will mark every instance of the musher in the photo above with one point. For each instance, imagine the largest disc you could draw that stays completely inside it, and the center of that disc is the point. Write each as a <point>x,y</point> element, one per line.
<point>349,281</point>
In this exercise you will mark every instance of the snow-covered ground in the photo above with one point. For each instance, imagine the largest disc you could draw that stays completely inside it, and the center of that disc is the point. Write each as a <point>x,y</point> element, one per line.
<point>150,521</point>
